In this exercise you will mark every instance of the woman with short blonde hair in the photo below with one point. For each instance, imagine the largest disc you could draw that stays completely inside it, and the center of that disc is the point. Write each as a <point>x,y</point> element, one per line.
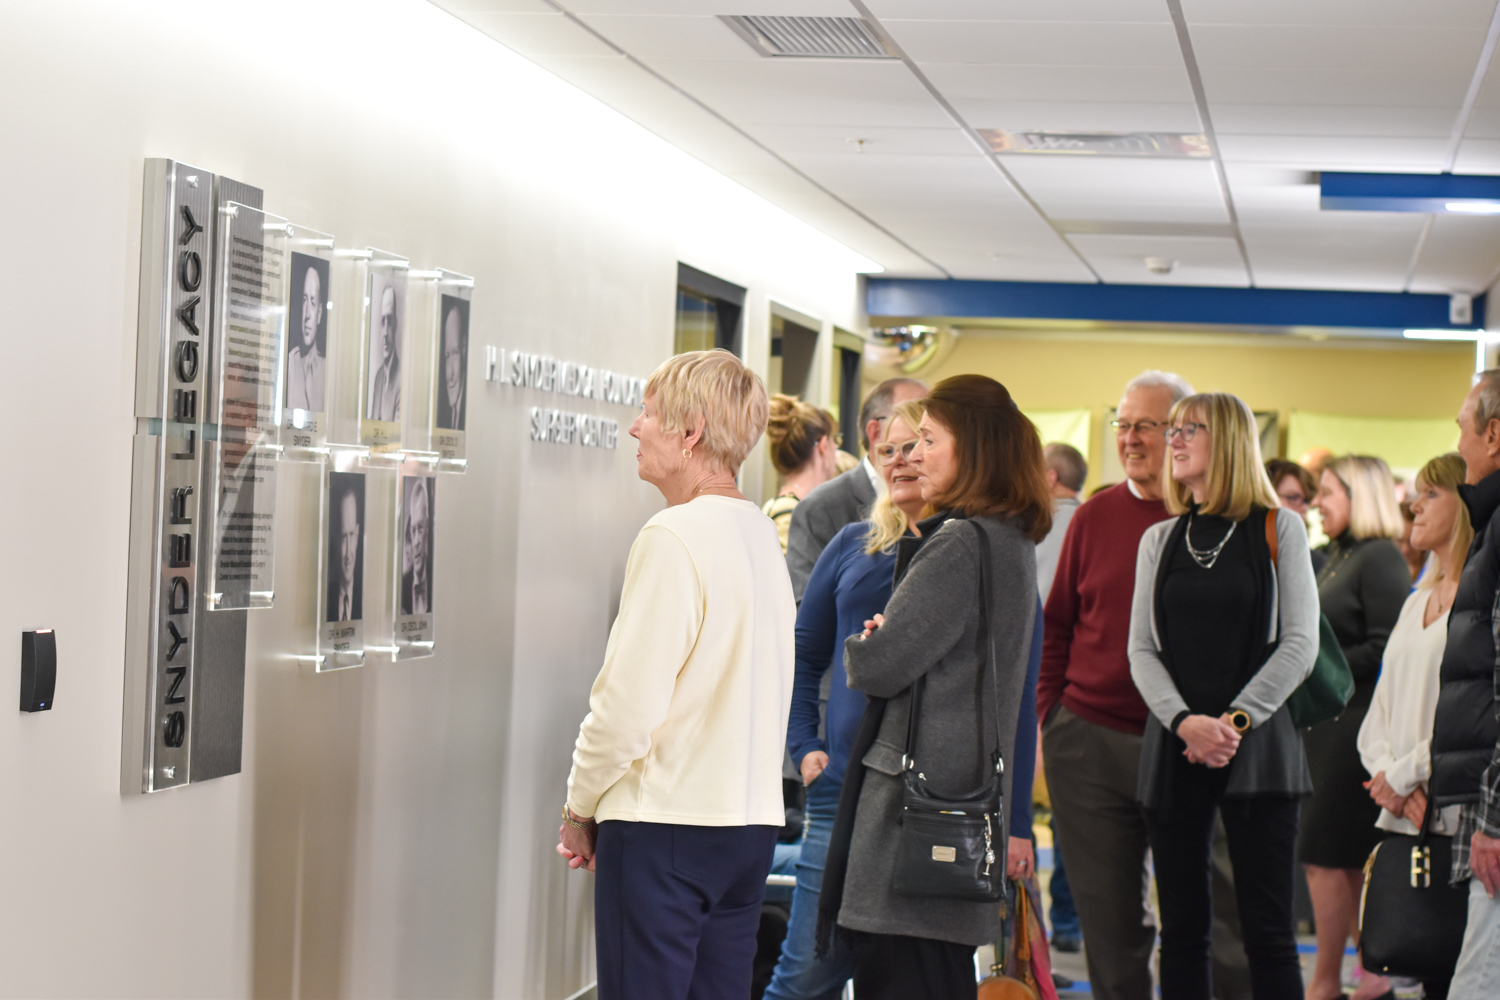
<point>1222,630</point>
<point>1362,587</point>
<point>675,796</point>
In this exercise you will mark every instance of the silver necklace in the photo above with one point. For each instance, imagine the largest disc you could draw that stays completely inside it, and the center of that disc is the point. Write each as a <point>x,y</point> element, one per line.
<point>1207,557</point>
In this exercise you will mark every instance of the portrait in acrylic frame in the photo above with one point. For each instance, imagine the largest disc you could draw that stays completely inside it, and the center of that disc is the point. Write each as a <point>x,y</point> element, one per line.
<point>384,347</point>
<point>307,334</point>
<point>346,546</point>
<point>417,494</point>
<point>452,391</point>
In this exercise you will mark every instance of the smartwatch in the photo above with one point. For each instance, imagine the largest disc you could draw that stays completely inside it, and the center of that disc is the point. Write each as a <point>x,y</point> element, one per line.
<point>1240,720</point>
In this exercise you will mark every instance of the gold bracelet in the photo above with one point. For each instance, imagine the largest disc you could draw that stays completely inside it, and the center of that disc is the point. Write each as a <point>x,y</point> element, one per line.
<point>575,824</point>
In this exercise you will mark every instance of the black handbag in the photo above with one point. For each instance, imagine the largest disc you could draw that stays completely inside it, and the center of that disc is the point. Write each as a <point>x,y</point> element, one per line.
<point>946,847</point>
<point>1411,920</point>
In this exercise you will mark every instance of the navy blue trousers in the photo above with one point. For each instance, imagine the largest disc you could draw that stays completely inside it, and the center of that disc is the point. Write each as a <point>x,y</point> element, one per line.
<point>677,908</point>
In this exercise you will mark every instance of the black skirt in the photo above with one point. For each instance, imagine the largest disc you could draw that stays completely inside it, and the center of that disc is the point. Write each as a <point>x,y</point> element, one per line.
<point>1338,822</point>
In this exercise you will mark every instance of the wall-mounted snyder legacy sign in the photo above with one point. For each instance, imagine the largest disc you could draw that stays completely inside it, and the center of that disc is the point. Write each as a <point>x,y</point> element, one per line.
<point>185,667</point>
<point>537,371</point>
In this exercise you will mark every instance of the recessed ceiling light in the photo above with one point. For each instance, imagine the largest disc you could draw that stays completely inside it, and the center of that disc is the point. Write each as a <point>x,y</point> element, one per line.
<point>1474,207</point>
<point>1156,144</point>
<point>1442,334</point>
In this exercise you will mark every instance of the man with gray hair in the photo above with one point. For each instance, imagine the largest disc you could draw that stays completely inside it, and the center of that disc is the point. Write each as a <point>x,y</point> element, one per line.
<point>1466,729</point>
<point>1092,716</point>
<point>846,498</point>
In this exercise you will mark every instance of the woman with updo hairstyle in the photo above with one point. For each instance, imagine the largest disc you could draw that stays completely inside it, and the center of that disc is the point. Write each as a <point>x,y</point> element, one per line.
<point>982,476</point>
<point>803,443</point>
<point>675,797</point>
<point>1362,590</point>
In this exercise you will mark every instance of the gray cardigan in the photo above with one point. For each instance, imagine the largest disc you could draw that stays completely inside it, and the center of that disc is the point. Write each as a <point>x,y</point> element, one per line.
<point>1270,759</point>
<point>931,628</point>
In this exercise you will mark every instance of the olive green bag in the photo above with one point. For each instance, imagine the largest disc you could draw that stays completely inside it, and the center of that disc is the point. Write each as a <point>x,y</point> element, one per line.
<point>1330,685</point>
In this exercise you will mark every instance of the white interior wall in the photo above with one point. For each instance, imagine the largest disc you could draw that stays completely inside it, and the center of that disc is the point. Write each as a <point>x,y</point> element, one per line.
<point>391,834</point>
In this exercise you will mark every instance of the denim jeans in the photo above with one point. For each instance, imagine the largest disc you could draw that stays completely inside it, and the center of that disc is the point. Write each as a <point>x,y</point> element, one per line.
<point>1479,964</point>
<point>800,976</point>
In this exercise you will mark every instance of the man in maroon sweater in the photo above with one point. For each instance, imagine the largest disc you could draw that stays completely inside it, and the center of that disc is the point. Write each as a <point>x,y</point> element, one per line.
<point>1093,717</point>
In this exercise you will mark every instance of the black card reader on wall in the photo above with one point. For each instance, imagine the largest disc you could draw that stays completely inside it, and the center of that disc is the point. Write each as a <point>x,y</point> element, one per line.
<point>38,669</point>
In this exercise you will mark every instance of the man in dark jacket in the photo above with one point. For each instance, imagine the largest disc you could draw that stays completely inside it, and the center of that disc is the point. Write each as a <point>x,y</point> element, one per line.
<point>1466,730</point>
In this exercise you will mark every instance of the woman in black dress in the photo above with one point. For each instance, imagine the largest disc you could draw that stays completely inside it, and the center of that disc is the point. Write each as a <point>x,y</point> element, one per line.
<point>1361,588</point>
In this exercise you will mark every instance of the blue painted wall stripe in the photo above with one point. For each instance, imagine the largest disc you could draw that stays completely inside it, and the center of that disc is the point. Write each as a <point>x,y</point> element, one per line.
<point>925,297</point>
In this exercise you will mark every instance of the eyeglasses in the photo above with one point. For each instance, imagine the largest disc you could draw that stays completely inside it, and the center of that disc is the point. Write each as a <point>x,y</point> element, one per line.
<point>1140,426</point>
<point>1293,499</point>
<point>1188,431</point>
<point>886,454</point>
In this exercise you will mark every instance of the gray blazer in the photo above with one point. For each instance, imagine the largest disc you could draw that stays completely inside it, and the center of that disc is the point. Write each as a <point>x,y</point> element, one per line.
<point>1270,759</point>
<point>820,515</point>
<point>932,628</point>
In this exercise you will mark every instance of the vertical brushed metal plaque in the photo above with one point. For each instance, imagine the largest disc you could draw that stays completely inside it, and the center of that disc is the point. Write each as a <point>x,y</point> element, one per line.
<point>184,666</point>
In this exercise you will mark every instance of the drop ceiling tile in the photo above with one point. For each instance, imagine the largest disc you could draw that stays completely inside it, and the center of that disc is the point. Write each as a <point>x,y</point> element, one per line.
<point>538,34</point>
<point>1133,85</point>
<point>1315,120</point>
<point>1336,152</point>
<point>1484,123</point>
<point>461,7</point>
<point>1079,116</point>
<point>1123,180</point>
<point>710,8</point>
<point>1478,156</point>
<point>1122,260</point>
<point>1352,257</point>
<point>677,37</point>
<point>1374,86</point>
<point>1031,43</point>
<point>878,141</point>
<point>1460,255</point>
<point>1351,46</point>
<point>848,93</point>
<point>1400,13</point>
<point>1142,11</point>
<point>1021,267</point>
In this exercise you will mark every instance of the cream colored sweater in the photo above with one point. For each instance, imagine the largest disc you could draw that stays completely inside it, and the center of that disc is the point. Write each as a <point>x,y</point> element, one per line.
<point>687,719</point>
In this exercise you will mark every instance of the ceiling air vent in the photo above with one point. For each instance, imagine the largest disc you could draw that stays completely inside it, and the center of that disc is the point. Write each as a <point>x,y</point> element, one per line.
<point>809,37</point>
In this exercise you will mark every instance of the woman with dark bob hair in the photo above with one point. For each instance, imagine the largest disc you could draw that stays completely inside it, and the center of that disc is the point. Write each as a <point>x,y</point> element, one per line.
<point>955,641</point>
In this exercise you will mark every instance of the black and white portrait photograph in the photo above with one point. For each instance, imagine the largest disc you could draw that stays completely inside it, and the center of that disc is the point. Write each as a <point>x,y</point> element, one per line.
<point>416,544</point>
<point>387,328</point>
<point>453,364</point>
<point>307,334</point>
<point>346,546</point>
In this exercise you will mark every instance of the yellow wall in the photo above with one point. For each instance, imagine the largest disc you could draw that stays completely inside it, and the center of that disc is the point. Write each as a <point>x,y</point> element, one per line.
<point>1055,371</point>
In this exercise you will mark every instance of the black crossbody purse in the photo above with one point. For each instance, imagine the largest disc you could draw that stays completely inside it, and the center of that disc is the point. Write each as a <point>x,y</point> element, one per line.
<point>947,846</point>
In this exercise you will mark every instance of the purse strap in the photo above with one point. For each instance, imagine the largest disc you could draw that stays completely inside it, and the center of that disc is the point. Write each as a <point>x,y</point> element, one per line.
<point>984,640</point>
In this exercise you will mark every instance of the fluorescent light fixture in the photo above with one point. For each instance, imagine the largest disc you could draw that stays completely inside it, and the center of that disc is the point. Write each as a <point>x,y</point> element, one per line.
<point>1442,334</point>
<point>1474,207</point>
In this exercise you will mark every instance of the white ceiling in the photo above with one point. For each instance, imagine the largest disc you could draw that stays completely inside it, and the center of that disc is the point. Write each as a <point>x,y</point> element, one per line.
<point>1286,88</point>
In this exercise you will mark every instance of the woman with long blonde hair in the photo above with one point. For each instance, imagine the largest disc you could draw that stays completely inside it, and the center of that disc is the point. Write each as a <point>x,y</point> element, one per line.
<point>1395,740</point>
<point>1223,629</point>
<point>1361,589</point>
